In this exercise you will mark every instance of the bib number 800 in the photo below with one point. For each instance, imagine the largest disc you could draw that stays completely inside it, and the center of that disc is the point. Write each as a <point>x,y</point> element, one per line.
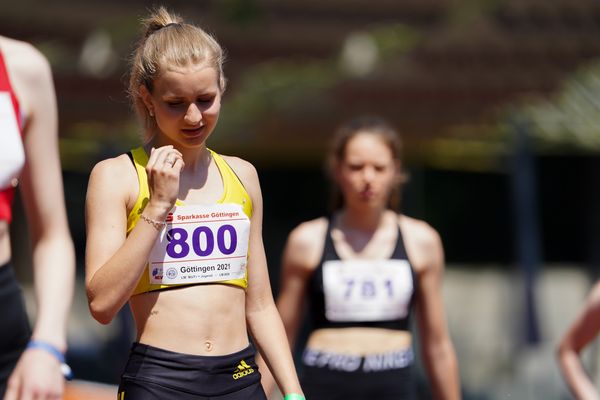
<point>179,247</point>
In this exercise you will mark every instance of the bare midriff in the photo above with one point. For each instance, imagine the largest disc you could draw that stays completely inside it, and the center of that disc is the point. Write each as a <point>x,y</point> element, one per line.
<point>359,340</point>
<point>204,319</point>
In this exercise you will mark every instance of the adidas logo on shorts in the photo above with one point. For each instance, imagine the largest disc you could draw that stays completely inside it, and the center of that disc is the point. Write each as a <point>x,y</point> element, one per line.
<point>242,370</point>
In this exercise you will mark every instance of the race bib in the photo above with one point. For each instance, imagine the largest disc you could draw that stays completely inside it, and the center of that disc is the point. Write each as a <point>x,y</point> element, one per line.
<point>12,155</point>
<point>367,290</point>
<point>201,244</point>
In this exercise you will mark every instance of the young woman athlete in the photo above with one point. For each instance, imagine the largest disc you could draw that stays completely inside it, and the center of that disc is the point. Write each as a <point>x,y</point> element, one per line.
<point>364,271</point>
<point>174,229</point>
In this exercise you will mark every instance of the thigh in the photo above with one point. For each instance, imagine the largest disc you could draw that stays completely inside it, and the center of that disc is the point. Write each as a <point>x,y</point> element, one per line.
<point>252,392</point>
<point>131,389</point>
<point>325,384</point>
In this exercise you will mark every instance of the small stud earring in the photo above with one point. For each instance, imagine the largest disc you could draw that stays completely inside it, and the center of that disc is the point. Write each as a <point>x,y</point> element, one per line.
<point>151,113</point>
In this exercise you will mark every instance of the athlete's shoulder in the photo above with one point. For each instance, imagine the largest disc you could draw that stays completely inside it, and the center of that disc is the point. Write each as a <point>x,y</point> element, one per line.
<point>115,173</point>
<point>308,235</point>
<point>242,168</point>
<point>247,174</point>
<point>24,59</point>
<point>18,49</point>
<point>305,245</point>
<point>113,164</point>
<point>421,237</point>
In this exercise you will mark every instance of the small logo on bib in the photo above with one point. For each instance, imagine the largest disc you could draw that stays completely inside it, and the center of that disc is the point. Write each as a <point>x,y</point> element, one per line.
<point>172,273</point>
<point>157,273</point>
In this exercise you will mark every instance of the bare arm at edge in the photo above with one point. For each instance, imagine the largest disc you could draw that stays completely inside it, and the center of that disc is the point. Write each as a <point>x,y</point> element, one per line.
<point>581,332</point>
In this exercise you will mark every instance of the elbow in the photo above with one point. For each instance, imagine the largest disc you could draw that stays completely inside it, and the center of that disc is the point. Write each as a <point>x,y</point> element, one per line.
<point>103,316</point>
<point>440,350</point>
<point>102,303</point>
<point>100,312</point>
<point>566,351</point>
<point>562,349</point>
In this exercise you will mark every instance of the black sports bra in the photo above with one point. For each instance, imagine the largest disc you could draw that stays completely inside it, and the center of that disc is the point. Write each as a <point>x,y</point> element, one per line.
<point>362,293</point>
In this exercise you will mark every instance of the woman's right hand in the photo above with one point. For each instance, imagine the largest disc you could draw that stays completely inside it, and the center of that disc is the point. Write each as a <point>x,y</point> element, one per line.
<point>164,169</point>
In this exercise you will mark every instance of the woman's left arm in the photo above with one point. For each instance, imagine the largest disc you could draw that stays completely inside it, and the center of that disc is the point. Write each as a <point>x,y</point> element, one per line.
<point>262,316</point>
<point>436,347</point>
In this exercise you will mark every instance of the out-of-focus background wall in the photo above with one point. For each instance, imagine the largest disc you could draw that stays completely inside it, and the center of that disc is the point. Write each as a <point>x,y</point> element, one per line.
<point>498,102</point>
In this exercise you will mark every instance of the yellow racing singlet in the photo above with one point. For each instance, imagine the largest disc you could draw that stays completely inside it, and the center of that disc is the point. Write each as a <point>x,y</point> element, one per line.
<point>233,192</point>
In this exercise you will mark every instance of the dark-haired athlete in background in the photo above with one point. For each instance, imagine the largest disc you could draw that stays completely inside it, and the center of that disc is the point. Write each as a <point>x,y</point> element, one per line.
<point>364,272</point>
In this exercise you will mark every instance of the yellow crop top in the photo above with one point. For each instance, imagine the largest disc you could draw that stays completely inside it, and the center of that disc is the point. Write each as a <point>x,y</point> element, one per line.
<point>233,192</point>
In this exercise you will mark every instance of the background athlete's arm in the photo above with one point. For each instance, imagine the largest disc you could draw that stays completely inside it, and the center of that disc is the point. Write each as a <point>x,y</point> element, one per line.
<point>582,331</point>
<point>53,254</point>
<point>263,319</point>
<point>436,347</point>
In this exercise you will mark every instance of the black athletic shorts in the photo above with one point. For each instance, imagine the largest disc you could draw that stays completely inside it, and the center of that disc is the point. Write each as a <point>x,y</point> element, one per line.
<point>156,374</point>
<point>332,376</point>
<point>15,331</point>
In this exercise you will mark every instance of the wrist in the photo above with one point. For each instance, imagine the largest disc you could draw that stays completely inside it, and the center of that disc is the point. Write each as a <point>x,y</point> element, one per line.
<point>157,224</point>
<point>45,336</point>
<point>157,210</point>
<point>55,352</point>
<point>155,215</point>
<point>294,396</point>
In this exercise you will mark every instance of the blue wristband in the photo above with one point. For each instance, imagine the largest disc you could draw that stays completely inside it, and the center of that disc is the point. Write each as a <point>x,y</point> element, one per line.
<point>36,344</point>
<point>50,348</point>
<point>294,396</point>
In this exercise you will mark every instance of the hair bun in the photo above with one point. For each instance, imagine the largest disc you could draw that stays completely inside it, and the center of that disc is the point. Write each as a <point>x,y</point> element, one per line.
<point>158,19</point>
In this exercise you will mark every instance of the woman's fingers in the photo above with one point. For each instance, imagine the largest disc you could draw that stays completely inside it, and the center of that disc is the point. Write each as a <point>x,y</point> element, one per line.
<point>171,158</point>
<point>163,169</point>
<point>162,158</point>
<point>178,164</point>
<point>158,156</point>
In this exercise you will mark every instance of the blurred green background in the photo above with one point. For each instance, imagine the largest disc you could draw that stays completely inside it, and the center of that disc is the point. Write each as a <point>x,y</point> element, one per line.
<point>497,102</point>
